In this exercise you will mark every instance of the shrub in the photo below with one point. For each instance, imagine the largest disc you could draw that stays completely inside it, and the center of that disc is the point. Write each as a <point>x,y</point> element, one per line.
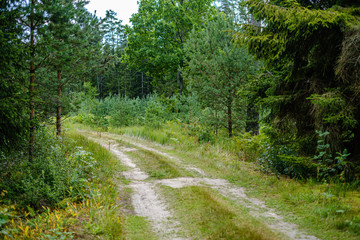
<point>279,158</point>
<point>55,173</point>
<point>329,166</point>
<point>283,160</point>
<point>249,147</point>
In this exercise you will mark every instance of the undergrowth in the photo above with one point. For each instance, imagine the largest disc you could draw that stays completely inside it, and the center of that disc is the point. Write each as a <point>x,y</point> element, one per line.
<point>72,196</point>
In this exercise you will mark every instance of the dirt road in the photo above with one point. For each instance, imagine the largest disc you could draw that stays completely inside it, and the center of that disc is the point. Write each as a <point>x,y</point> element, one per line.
<point>149,201</point>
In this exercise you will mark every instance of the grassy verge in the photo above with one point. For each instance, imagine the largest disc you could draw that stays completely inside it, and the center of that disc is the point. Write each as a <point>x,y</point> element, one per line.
<point>206,215</point>
<point>92,214</point>
<point>104,213</point>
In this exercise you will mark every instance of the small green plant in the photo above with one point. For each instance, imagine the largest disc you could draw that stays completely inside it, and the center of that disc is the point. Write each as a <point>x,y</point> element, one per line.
<point>329,166</point>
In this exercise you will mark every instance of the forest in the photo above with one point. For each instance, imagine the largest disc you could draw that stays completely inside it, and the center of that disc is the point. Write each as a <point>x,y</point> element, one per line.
<point>270,88</point>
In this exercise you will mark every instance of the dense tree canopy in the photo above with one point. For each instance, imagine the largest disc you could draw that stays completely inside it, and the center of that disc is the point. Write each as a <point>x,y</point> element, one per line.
<point>301,43</point>
<point>156,38</point>
<point>12,95</point>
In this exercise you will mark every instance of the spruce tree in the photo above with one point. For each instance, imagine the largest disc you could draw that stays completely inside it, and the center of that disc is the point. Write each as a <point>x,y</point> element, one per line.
<point>302,43</point>
<point>13,118</point>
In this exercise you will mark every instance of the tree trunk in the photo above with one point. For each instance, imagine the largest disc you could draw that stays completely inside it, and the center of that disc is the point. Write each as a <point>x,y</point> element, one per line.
<point>252,121</point>
<point>180,81</point>
<point>32,83</point>
<point>229,115</point>
<point>195,120</point>
<point>32,110</point>
<point>216,124</point>
<point>142,84</point>
<point>58,107</point>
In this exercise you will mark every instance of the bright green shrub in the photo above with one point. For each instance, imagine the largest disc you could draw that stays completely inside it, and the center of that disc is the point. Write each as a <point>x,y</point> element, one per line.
<point>154,114</point>
<point>126,112</point>
<point>249,147</point>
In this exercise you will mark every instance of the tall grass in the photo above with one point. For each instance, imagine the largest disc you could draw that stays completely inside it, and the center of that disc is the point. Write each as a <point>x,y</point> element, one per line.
<point>104,211</point>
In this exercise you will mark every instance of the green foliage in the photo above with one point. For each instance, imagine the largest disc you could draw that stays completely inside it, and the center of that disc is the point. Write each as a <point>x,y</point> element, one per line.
<point>55,173</point>
<point>113,31</point>
<point>122,112</point>
<point>249,147</point>
<point>283,160</point>
<point>13,125</point>
<point>6,214</point>
<point>217,71</point>
<point>331,107</point>
<point>329,166</point>
<point>156,38</point>
<point>127,112</point>
<point>154,114</point>
<point>305,46</point>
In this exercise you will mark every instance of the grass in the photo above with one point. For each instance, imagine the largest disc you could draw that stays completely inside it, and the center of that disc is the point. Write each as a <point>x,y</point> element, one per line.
<point>157,166</point>
<point>206,215</point>
<point>139,228</point>
<point>155,135</point>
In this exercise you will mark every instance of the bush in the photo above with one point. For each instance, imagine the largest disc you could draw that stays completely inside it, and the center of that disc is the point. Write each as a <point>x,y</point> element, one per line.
<point>280,158</point>
<point>126,112</point>
<point>283,160</point>
<point>154,114</point>
<point>249,147</point>
<point>280,155</point>
<point>55,173</point>
<point>329,166</point>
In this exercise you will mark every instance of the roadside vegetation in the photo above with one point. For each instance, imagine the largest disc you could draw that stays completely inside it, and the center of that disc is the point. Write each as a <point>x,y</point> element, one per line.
<point>75,198</point>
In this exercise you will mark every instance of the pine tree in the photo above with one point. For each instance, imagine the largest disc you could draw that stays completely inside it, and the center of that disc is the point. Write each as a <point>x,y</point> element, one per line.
<point>32,18</point>
<point>69,45</point>
<point>218,70</point>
